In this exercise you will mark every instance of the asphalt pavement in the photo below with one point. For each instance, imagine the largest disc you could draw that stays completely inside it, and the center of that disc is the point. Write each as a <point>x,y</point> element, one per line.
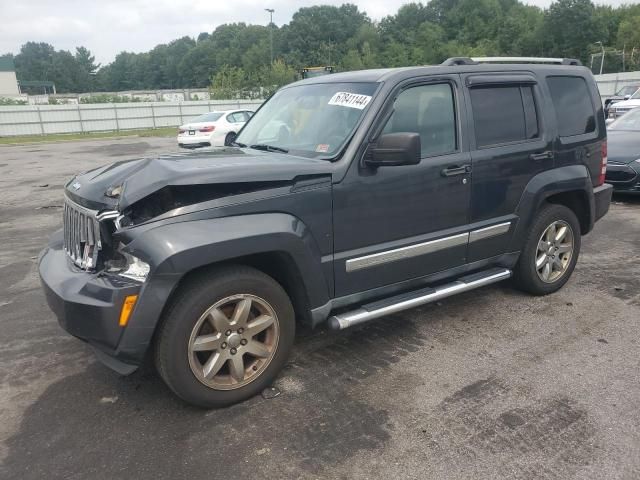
<point>491,384</point>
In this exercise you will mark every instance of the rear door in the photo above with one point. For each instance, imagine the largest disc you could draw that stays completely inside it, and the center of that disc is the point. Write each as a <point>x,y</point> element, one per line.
<point>510,144</point>
<point>236,120</point>
<point>581,128</point>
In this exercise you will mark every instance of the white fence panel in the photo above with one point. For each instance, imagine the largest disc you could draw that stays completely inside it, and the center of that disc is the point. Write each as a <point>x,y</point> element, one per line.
<point>610,83</point>
<point>43,119</point>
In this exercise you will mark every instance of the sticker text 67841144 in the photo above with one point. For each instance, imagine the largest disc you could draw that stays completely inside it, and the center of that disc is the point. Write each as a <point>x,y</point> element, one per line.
<point>351,100</point>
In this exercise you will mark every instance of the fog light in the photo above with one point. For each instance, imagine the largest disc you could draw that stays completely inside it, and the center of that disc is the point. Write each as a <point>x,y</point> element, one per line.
<point>127,308</point>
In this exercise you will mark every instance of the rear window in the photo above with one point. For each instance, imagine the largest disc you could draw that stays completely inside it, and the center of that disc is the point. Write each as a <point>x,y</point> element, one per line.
<point>504,114</point>
<point>572,102</point>
<point>208,117</point>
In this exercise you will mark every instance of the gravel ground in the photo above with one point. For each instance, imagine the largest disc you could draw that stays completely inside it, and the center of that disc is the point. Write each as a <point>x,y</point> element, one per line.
<point>491,384</point>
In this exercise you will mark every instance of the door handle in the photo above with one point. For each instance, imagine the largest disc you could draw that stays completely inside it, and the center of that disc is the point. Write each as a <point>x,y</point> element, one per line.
<point>456,170</point>
<point>539,157</point>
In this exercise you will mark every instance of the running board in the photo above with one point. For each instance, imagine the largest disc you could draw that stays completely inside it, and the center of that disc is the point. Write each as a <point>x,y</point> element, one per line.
<point>405,301</point>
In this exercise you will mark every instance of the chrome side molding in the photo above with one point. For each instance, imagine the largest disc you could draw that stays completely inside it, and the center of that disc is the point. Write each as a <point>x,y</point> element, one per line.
<point>424,248</point>
<point>487,232</point>
<point>406,252</point>
<point>413,299</point>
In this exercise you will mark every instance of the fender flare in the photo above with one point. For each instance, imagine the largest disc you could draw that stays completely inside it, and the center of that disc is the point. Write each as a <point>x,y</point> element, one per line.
<point>173,250</point>
<point>570,178</point>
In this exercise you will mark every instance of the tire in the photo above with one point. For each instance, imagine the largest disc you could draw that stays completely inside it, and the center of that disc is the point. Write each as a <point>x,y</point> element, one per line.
<point>529,276</point>
<point>238,373</point>
<point>229,139</point>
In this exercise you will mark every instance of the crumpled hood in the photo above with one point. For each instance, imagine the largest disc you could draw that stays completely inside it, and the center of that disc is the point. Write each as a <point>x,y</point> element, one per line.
<point>142,177</point>
<point>623,146</point>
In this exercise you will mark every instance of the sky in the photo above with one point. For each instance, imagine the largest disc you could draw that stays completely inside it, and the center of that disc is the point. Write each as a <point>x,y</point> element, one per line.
<point>107,27</point>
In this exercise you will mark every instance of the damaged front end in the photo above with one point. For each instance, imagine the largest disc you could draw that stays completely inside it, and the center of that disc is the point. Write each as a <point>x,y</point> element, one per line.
<point>102,204</point>
<point>89,240</point>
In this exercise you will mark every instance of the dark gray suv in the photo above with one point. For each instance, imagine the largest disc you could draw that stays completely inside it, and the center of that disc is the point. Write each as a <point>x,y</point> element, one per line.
<point>345,198</point>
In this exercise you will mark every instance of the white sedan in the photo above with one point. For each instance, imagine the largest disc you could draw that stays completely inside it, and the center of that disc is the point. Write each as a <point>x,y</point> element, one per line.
<point>213,129</point>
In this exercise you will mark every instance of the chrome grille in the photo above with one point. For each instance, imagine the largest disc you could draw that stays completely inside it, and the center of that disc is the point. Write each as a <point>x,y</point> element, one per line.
<point>81,234</point>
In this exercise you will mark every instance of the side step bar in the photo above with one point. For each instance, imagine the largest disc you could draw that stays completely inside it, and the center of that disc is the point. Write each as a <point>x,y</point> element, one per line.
<point>405,301</point>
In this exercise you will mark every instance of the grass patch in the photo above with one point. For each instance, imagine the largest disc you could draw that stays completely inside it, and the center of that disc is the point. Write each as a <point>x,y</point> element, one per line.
<point>67,137</point>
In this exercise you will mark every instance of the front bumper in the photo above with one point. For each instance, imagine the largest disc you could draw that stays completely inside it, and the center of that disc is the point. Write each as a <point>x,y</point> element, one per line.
<point>87,305</point>
<point>624,177</point>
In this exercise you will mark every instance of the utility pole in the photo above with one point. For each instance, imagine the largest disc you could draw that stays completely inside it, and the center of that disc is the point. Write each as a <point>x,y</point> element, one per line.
<point>602,60</point>
<point>623,49</point>
<point>270,10</point>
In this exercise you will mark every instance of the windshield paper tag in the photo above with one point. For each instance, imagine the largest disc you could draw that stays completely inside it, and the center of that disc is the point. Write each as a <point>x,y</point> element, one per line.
<point>351,100</point>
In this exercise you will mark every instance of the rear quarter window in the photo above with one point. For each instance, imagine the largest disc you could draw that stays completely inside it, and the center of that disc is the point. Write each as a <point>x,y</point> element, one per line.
<point>572,102</point>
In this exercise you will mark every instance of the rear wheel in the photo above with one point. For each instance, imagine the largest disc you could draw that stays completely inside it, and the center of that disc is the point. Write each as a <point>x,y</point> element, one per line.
<point>229,139</point>
<point>225,337</point>
<point>550,252</point>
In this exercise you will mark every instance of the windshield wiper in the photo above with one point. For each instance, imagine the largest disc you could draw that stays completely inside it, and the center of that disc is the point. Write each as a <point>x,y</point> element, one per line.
<point>268,148</point>
<point>238,144</point>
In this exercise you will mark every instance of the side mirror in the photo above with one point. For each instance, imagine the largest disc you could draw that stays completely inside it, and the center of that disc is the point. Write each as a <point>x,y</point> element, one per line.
<point>395,149</point>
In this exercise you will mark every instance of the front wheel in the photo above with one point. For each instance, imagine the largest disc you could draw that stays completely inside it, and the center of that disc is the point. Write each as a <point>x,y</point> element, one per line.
<point>225,337</point>
<point>550,252</point>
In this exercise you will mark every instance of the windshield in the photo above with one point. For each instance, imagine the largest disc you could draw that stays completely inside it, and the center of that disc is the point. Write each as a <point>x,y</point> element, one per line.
<point>628,90</point>
<point>309,120</point>
<point>636,95</point>
<point>207,117</point>
<point>628,121</point>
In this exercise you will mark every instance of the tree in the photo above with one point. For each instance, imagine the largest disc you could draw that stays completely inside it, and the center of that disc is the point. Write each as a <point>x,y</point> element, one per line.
<point>230,82</point>
<point>34,61</point>
<point>418,33</point>
<point>570,28</point>
<point>311,28</point>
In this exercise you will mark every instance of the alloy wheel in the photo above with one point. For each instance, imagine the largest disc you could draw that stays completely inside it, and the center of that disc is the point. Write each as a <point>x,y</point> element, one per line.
<point>233,342</point>
<point>555,250</point>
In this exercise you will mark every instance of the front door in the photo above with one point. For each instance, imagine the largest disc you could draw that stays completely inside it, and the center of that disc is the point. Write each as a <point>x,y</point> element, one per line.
<point>398,223</point>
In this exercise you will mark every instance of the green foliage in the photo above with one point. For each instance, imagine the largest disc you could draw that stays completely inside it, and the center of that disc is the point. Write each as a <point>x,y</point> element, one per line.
<point>107,98</point>
<point>11,101</point>
<point>235,58</point>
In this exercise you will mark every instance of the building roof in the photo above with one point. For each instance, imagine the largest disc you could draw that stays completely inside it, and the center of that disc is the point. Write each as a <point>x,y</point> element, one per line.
<point>6,64</point>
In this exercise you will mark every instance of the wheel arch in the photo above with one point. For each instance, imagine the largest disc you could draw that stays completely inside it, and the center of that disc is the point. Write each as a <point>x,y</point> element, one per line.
<point>569,186</point>
<point>277,244</point>
<point>279,265</point>
<point>578,202</point>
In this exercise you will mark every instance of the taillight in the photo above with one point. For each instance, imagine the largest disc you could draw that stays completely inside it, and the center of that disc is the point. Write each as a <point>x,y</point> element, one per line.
<point>181,131</point>
<point>207,129</point>
<point>603,164</point>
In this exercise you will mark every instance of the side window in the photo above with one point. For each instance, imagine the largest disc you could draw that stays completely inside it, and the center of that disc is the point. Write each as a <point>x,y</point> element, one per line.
<point>429,111</point>
<point>504,114</point>
<point>574,109</point>
<point>231,118</point>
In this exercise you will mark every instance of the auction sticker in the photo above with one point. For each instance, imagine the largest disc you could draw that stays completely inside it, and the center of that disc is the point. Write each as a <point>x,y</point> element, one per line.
<point>351,100</point>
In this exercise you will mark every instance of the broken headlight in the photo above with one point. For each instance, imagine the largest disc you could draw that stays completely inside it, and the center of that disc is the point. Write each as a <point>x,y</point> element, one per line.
<point>127,265</point>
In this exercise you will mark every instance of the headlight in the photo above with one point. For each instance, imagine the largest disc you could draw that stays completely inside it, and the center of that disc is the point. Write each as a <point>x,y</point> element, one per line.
<point>136,269</point>
<point>129,266</point>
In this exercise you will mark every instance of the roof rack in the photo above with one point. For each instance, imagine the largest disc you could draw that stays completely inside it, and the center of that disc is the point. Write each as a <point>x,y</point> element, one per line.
<point>477,60</point>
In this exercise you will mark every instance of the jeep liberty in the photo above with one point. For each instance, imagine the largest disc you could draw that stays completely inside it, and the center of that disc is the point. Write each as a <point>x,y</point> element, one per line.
<point>345,198</point>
